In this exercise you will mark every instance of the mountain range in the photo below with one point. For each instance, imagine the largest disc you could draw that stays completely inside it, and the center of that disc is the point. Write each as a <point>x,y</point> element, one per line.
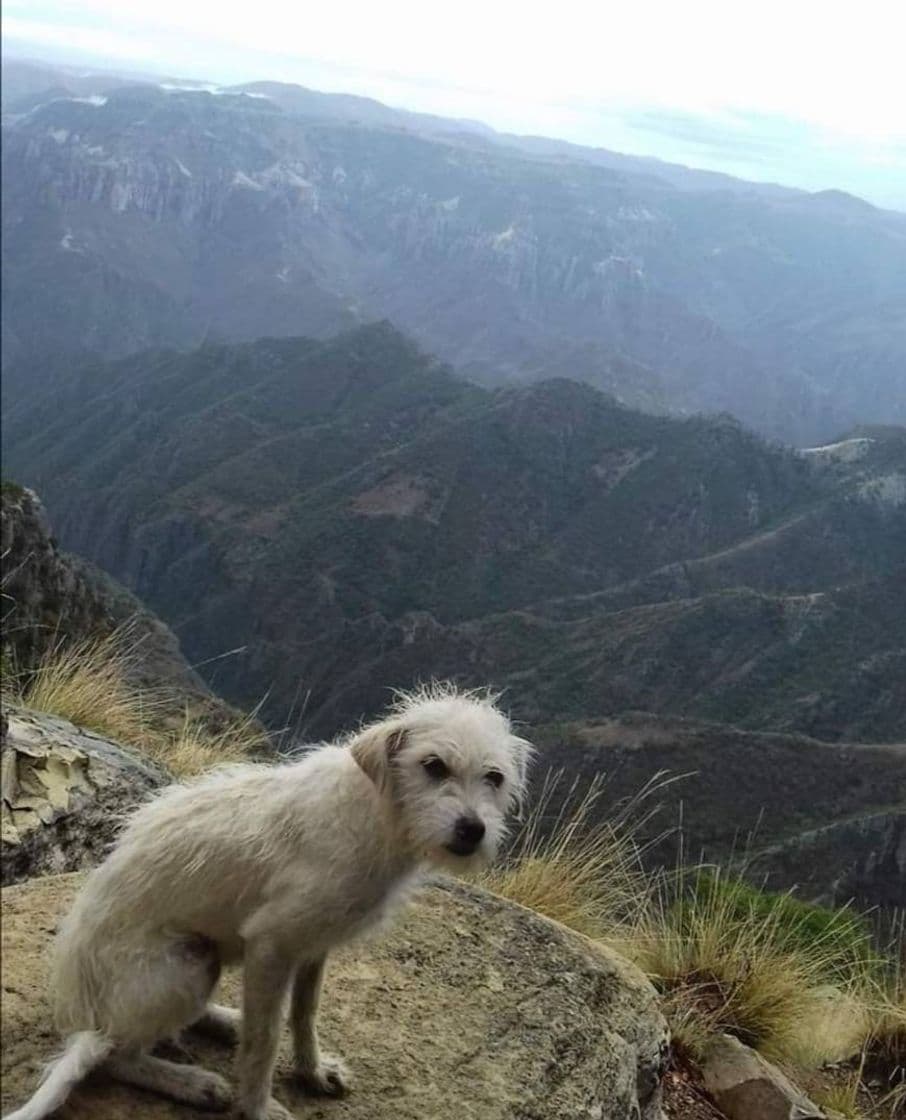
<point>354,516</point>
<point>320,521</point>
<point>142,215</point>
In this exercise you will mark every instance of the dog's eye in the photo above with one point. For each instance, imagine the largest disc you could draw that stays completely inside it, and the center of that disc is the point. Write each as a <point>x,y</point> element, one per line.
<point>435,769</point>
<point>495,778</point>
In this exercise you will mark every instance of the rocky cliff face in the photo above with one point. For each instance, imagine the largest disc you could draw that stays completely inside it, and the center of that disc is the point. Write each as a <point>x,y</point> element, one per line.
<point>145,216</point>
<point>64,792</point>
<point>43,593</point>
<point>51,598</point>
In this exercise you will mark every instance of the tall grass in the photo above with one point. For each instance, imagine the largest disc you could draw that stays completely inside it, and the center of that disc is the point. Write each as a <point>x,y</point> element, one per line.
<point>585,875</point>
<point>91,683</point>
<point>88,683</point>
<point>784,977</point>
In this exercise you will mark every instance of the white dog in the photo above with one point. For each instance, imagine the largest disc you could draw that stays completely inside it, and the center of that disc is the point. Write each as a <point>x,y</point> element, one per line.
<point>274,866</point>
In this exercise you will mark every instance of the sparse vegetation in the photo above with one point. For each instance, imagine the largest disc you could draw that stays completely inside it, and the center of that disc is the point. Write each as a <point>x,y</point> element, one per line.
<point>885,1049</point>
<point>87,682</point>
<point>730,960</point>
<point>196,746</point>
<point>90,683</point>
<point>586,876</point>
<point>843,1096</point>
<point>803,984</point>
<point>11,490</point>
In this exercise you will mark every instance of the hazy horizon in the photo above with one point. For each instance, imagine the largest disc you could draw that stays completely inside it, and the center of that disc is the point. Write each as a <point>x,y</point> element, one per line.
<point>801,98</point>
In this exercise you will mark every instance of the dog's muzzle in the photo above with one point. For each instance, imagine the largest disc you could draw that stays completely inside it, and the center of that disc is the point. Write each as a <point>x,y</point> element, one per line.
<point>468,833</point>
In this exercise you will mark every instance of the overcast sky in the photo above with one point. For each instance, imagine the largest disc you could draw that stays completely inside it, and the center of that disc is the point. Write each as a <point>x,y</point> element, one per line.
<point>806,93</point>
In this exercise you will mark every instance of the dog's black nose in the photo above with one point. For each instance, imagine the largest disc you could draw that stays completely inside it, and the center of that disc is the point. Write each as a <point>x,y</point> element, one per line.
<point>469,831</point>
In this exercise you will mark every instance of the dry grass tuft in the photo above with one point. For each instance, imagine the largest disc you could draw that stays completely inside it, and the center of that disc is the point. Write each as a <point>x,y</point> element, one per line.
<point>726,966</point>
<point>197,747</point>
<point>91,684</point>
<point>88,683</point>
<point>587,876</point>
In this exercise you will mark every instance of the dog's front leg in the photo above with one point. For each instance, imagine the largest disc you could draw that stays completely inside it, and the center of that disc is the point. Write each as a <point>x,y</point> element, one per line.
<point>266,976</point>
<point>319,1073</point>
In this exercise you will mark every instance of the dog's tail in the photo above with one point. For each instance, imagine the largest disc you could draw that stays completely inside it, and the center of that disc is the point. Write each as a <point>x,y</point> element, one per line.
<point>84,1051</point>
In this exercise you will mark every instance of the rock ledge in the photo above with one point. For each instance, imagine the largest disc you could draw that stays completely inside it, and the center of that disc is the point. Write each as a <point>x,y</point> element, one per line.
<point>470,1007</point>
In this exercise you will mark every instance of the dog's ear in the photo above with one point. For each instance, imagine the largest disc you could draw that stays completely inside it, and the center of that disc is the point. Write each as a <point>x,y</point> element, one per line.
<point>375,748</point>
<point>522,756</point>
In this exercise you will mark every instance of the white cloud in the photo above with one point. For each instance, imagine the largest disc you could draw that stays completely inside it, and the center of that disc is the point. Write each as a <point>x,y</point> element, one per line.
<point>572,69</point>
<point>832,64</point>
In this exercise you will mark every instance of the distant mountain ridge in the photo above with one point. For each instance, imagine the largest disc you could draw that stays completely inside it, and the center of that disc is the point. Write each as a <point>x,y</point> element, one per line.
<point>139,216</point>
<point>355,517</point>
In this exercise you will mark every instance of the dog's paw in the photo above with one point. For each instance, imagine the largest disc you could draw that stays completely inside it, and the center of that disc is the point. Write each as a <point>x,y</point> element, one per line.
<point>273,1110</point>
<point>211,1092</point>
<point>329,1078</point>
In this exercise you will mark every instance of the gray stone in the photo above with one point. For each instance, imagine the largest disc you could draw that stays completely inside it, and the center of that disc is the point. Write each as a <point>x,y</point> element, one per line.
<point>745,1086</point>
<point>64,790</point>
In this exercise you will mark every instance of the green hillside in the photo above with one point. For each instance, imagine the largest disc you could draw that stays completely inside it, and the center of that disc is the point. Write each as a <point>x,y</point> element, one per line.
<point>350,516</point>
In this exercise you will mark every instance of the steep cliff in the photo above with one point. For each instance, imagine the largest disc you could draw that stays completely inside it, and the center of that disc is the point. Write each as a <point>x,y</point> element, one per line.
<point>51,598</point>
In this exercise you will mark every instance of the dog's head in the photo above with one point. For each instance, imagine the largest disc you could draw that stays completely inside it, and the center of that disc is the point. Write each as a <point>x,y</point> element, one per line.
<point>451,768</point>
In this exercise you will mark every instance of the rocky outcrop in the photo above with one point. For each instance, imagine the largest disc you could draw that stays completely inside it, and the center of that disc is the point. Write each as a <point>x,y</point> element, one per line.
<point>64,791</point>
<point>51,597</point>
<point>470,1006</point>
<point>43,595</point>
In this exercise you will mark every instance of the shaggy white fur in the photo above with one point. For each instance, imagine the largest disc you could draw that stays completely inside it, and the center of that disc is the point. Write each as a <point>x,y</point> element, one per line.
<point>273,866</point>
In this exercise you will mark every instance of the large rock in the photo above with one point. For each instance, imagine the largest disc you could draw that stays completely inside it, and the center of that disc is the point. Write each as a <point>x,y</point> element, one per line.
<point>64,790</point>
<point>472,1007</point>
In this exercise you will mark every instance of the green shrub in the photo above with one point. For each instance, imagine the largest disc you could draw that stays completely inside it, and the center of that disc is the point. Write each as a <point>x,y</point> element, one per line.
<point>841,937</point>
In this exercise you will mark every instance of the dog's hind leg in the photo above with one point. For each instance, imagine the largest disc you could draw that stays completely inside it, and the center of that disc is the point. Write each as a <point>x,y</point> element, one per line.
<point>187,1084</point>
<point>319,1073</point>
<point>166,994</point>
<point>84,1050</point>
